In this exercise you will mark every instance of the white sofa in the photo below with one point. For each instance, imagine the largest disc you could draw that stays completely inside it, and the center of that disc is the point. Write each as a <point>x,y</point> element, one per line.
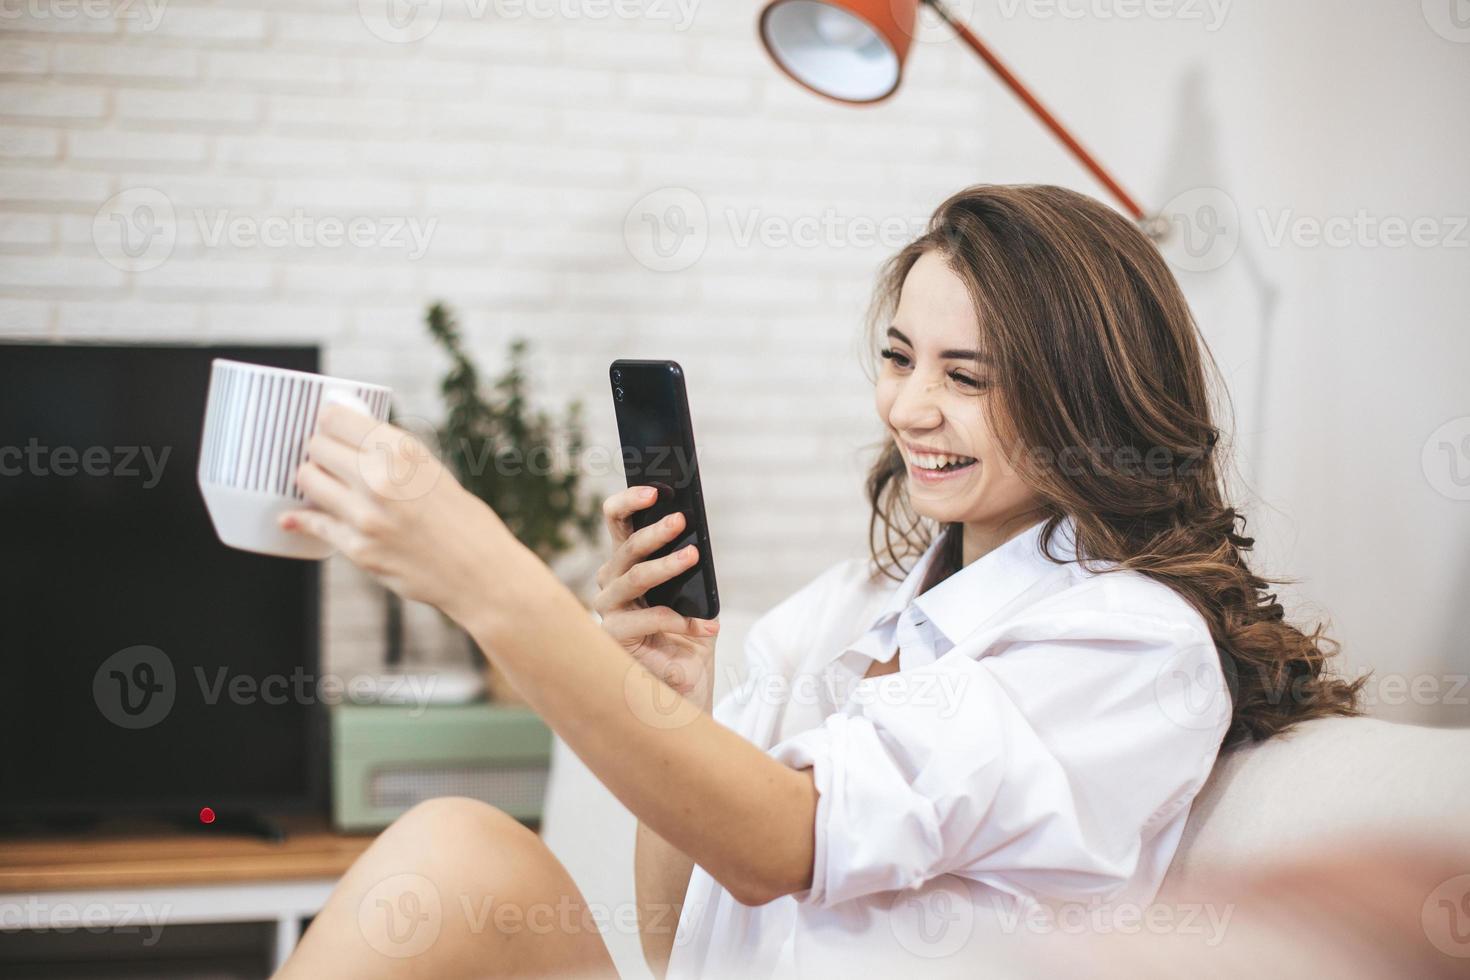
<point>1348,778</point>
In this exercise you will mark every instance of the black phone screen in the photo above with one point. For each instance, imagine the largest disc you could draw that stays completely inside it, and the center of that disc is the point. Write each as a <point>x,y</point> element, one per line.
<point>658,450</point>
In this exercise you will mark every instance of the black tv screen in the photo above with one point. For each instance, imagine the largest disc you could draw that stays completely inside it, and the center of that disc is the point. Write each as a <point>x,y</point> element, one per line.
<point>147,666</point>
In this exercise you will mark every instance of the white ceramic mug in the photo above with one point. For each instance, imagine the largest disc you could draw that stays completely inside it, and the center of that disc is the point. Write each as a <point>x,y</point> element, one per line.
<point>256,426</point>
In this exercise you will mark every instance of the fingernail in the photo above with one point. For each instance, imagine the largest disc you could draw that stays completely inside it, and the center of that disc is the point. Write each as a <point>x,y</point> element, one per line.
<point>288,522</point>
<point>670,520</point>
<point>647,493</point>
<point>690,552</point>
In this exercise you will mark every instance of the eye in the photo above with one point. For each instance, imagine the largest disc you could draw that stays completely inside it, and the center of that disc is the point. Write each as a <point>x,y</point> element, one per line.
<point>896,358</point>
<point>965,381</point>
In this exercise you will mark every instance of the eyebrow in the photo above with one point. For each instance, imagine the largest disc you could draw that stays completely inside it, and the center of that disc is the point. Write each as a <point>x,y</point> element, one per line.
<point>948,355</point>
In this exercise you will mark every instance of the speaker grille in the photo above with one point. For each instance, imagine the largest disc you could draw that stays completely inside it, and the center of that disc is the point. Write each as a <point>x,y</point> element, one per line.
<point>514,790</point>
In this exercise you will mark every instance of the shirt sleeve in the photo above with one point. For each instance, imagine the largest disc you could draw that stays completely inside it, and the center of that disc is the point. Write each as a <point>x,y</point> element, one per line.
<point>1039,768</point>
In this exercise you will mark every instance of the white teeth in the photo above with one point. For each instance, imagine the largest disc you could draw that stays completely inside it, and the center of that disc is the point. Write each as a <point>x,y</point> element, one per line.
<point>937,461</point>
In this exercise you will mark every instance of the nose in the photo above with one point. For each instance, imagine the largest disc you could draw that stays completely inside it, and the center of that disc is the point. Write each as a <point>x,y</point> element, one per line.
<point>916,406</point>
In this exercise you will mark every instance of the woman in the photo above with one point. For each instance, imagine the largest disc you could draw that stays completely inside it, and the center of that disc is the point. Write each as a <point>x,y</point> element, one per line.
<point>1012,711</point>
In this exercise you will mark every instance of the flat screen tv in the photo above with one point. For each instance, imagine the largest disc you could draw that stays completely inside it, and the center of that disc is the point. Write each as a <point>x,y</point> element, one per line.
<point>147,667</point>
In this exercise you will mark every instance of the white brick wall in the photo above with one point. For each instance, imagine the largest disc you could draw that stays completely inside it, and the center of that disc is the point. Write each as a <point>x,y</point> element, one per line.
<point>525,140</point>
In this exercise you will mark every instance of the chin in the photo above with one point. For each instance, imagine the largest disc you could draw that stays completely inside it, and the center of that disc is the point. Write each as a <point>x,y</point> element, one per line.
<point>955,499</point>
<point>941,511</point>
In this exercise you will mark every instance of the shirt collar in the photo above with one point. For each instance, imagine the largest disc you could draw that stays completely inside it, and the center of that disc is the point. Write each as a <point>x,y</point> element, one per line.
<point>967,599</point>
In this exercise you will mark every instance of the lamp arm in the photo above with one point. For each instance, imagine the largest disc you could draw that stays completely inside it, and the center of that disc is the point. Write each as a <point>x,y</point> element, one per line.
<point>1041,112</point>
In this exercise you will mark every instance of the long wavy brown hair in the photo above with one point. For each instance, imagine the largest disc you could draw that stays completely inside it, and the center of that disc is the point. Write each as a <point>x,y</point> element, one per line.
<point>1105,411</point>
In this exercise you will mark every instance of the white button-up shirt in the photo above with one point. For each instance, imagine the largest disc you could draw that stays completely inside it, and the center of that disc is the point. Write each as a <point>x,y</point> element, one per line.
<point>1038,747</point>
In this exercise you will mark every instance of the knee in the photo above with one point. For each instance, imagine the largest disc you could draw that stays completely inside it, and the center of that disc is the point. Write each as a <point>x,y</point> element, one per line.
<point>461,840</point>
<point>460,822</point>
<point>473,890</point>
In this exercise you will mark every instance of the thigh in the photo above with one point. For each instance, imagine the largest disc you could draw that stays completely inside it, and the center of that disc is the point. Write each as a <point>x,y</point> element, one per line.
<point>454,888</point>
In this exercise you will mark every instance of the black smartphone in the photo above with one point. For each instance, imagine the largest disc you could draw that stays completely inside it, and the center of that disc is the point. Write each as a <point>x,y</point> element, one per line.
<point>657,439</point>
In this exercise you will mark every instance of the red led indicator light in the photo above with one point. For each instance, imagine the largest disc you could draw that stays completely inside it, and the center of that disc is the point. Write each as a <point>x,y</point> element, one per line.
<point>206,815</point>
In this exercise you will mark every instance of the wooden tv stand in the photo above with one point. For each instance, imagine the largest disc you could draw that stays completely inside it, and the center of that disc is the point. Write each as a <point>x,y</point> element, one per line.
<point>152,876</point>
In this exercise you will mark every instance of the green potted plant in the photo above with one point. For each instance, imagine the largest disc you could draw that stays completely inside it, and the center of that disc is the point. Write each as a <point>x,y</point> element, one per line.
<point>519,459</point>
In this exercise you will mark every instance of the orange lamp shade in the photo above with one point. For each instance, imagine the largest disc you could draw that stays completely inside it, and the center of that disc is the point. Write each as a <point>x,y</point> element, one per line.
<point>848,50</point>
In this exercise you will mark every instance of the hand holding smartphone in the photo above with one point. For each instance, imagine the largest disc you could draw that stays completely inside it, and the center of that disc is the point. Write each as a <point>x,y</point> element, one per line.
<point>657,438</point>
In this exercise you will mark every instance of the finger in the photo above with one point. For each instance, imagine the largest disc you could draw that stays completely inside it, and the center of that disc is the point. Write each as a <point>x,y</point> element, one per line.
<point>317,524</point>
<point>339,459</point>
<point>640,544</point>
<point>346,424</point>
<point>637,580</point>
<point>617,509</point>
<point>631,624</point>
<point>331,495</point>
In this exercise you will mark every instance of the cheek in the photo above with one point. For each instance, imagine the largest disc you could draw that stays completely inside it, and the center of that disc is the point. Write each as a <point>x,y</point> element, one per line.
<point>967,416</point>
<point>884,393</point>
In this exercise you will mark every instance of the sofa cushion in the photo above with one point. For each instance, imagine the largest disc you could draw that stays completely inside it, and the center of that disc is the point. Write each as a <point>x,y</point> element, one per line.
<point>1329,779</point>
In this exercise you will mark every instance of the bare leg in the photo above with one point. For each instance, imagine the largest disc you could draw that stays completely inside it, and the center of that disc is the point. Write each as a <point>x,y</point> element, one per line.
<point>454,888</point>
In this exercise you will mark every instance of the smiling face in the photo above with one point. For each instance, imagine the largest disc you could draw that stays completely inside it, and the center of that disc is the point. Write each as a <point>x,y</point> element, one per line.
<point>932,393</point>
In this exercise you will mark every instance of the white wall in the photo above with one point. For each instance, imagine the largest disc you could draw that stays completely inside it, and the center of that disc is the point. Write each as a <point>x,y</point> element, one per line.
<point>526,140</point>
<point>1345,359</point>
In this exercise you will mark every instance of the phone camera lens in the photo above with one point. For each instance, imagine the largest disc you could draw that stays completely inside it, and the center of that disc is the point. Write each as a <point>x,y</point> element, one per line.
<point>618,394</point>
<point>617,375</point>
